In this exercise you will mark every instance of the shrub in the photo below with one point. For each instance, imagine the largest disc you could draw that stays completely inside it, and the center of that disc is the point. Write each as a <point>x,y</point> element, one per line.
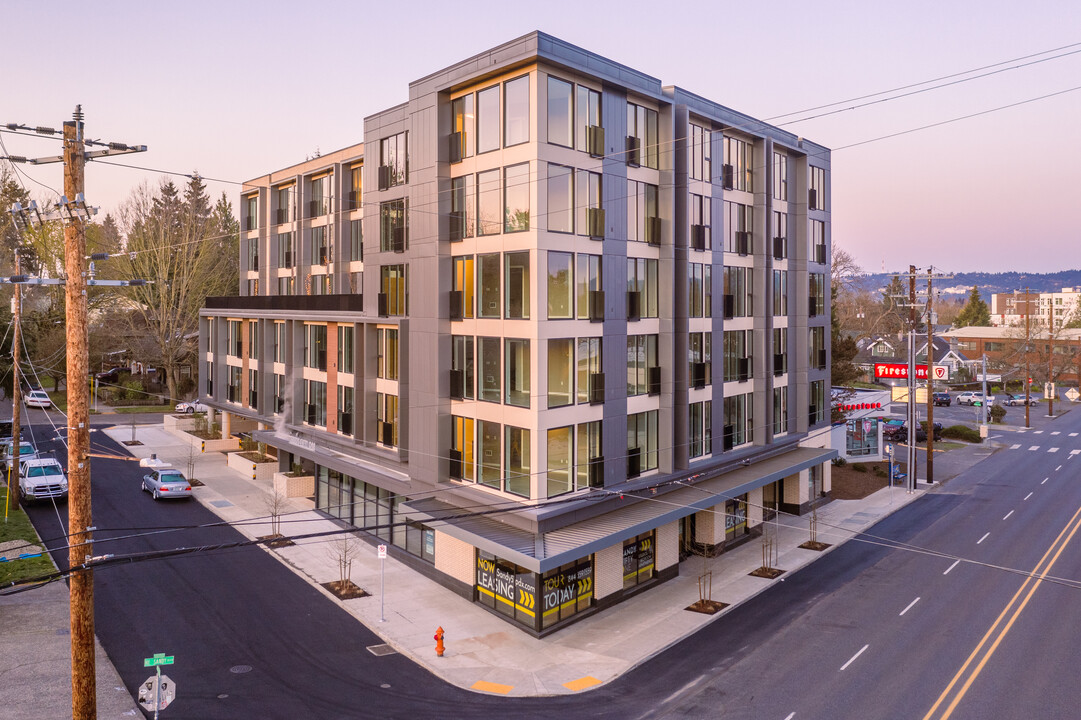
<point>997,413</point>
<point>962,432</point>
<point>879,472</point>
<point>839,462</point>
<point>859,467</point>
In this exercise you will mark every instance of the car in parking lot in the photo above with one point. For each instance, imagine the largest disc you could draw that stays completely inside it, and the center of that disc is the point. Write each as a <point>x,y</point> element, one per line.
<point>941,398</point>
<point>192,406</point>
<point>971,398</point>
<point>166,483</point>
<point>38,399</point>
<point>42,479</point>
<point>1019,400</point>
<point>899,433</point>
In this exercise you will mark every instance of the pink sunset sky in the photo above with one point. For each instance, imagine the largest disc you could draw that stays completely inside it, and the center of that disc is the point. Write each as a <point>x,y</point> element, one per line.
<point>237,89</point>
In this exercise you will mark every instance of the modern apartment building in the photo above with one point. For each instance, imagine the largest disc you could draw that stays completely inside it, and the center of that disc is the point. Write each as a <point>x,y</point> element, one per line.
<point>553,327</point>
<point>1050,309</point>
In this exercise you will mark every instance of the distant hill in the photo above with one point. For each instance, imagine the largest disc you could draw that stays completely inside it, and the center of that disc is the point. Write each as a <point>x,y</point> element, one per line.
<point>988,283</point>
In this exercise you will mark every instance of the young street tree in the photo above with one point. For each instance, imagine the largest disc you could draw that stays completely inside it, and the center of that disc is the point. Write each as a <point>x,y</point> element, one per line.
<point>975,313</point>
<point>181,247</point>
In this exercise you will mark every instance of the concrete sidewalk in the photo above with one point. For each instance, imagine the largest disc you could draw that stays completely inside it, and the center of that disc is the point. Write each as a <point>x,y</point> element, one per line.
<point>485,653</point>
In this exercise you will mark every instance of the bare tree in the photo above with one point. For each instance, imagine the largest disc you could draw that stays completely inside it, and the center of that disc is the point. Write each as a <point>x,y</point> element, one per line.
<point>275,505</point>
<point>343,550</point>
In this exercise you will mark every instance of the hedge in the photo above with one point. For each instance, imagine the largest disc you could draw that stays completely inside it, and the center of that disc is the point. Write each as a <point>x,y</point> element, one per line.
<point>962,432</point>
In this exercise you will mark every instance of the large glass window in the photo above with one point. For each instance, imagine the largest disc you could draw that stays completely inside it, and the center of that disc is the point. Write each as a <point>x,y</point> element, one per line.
<point>488,119</point>
<point>560,372</point>
<point>393,226</point>
<point>315,347</point>
<point>315,403</point>
<point>320,251</point>
<point>356,240</point>
<point>462,441</point>
<point>780,293</point>
<point>386,415</point>
<point>589,201</point>
<point>700,153</point>
<point>560,461</point>
<point>638,560</point>
<point>395,287</point>
<point>642,126</point>
<point>780,410</point>
<point>517,367</point>
<point>701,428</point>
<point>356,186</point>
<point>700,356</point>
<point>560,112</point>
<point>588,114</point>
<point>700,290</point>
<point>279,342</point>
<point>516,120</point>
<point>780,235</point>
<point>739,162</point>
<point>588,279</point>
<point>279,394</point>
<point>817,343</point>
<point>560,285</point>
<point>642,213</point>
<point>590,463</point>
<point>780,351</point>
<point>386,349</point>
<point>462,366</point>
<point>489,285</point>
<point>517,285</point>
<point>251,212</point>
<point>641,358</point>
<point>516,196</point>
<point>489,438</point>
<point>489,203</point>
<point>394,160</point>
<point>345,410</point>
<point>780,177</point>
<point>490,369</point>
<point>737,355</point>
<point>567,591</point>
<point>317,206</point>
<point>463,120</point>
<point>285,204</point>
<point>642,287</point>
<point>738,292</point>
<point>701,222</point>
<point>560,198</point>
<point>641,442</point>
<point>818,241</point>
<point>590,369</point>
<point>738,425</point>
<point>861,437</point>
<point>345,348</point>
<point>462,281</point>
<point>739,228</point>
<point>818,402</point>
<point>517,444</point>
<point>462,201</point>
<point>817,294</point>
<point>816,195</point>
<point>285,250</point>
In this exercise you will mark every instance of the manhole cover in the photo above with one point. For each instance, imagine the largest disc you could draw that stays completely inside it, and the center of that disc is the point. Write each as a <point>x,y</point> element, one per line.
<point>240,669</point>
<point>381,650</point>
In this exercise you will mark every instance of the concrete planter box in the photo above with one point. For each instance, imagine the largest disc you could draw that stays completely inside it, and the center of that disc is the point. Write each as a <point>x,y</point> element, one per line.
<point>183,423</point>
<point>261,471</point>
<point>293,487</point>
<point>218,445</point>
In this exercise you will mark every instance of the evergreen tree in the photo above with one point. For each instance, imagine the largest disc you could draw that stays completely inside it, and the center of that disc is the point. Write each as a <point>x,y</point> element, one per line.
<point>975,312</point>
<point>196,201</point>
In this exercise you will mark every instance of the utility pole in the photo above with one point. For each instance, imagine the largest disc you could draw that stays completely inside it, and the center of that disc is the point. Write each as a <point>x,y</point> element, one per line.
<point>1051,367</point>
<point>16,397</point>
<point>75,214</point>
<point>930,386</point>
<point>1028,376</point>
<point>83,671</point>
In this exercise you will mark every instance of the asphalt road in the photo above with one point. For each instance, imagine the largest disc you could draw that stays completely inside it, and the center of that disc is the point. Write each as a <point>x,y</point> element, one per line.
<point>869,631</point>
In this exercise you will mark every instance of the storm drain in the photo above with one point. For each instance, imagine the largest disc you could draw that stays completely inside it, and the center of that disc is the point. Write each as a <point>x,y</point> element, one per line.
<point>240,669</point>
<point>381,650</point>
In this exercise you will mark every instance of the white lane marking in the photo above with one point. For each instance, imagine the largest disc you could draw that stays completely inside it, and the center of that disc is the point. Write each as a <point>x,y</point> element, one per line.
<point>790,716</point>
<point>909,606</point>
<point>1058,468</point>
<point>951,567</point>
<point>1056,432</point>
<point>1034,447</point>
<point>1027,496</point>
<point>1052,449</point>
<point>1073,434</point>
<point>1074,452</point>
<point>1037,432</point>
<point>1014,447</point>
<point>983,538</point>
<point>1008,514</point>
<point>1044,480</point>
<point>853,658</point>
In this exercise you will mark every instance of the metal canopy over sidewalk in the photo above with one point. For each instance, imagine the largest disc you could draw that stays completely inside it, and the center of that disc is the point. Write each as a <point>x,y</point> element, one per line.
<point>638,514</point>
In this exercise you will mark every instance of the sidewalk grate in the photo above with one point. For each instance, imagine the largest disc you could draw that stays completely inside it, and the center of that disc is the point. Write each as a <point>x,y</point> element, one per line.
<point>381,650</point>
<point>221,503</point>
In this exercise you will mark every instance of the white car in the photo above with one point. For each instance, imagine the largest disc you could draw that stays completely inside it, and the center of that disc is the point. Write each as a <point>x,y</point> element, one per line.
<point>193,406</point>
<point>971,398</point>
<point>38,399</point>
<point>42,479</point>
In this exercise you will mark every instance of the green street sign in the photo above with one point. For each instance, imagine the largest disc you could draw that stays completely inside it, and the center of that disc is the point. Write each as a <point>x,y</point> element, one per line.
<point>158,659</point>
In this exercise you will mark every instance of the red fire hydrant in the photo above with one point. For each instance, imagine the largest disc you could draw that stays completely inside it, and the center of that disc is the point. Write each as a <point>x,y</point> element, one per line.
<point>439,642</point>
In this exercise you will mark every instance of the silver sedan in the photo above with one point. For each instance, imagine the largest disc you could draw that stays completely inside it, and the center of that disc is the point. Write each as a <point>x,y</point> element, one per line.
<point>166,483</point>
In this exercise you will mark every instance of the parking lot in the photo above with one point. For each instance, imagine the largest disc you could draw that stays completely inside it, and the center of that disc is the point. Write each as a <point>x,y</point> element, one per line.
<point>955,414</point>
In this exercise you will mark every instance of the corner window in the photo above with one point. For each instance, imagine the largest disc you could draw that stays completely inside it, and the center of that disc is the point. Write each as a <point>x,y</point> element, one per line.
<point>393,161</point>
<point>516,118</point>
<point>560,285</point>
<point>489,204</point>
<point>560,112</point>
<point>780,177</point>
<point>393,226</point>
<point>588,114</point>
<point>560,198</point>
<point>700,153</point>
<point>488,119</point>
<point>463,120</point>
<point>516,278</point>
<point>517,446</point>
<point>516,198</point>
<point>517,367</point>
<point>641,442</point>
<point>489,273</point>
<point>642,135</point>
<point>560,372</point>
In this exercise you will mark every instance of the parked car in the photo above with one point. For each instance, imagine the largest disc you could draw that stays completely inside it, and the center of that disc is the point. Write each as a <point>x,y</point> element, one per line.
<point>38,399</point>
<point>941,398</point>
<point>901,434</point>
<point>42,479</point>
<point>111,375</point>
<point>193,406</point>
<point>166,483</point>
<point>1019,400</point>
<point>971,398</point>
<point>26,452</point>
<point>891,428</point>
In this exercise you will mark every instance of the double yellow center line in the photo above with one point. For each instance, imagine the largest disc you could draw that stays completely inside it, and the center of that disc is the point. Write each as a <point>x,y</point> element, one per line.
<point>968,673</point>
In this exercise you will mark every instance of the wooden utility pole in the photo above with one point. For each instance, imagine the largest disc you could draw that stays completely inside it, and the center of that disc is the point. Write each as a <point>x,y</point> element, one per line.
<point>1051,364</point>
<point>16,396</point>
<point>1028,376</point>
<point>83,671</point>
<point>930,386</point>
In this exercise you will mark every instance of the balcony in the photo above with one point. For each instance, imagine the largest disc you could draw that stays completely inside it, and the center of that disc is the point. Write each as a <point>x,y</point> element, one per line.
<point>457,226</point>
<point>634,462</point>
<point>634,305</point>
<point>457,305</point>
<point>653,231</point>
<point>780,363</point>
<point>634,151</point>
<point>457,384</point>
<point>596,388</point>
<point>729,176</point>
<point>282,216</point>
<point>653,380</point>
<point>596,305</point>
<point>743,242</point>
<point>456,147</point>
<point>596,471</point>
<point>454,468</point>
<point>595,140</point>
<point>317,207</point>
<point>354,200</point>
<point>595,223</point>
<point>780,248</point>
<point>698,237</point>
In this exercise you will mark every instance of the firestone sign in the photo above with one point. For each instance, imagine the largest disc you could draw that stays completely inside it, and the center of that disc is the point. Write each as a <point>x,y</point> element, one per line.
<point>900,370</point>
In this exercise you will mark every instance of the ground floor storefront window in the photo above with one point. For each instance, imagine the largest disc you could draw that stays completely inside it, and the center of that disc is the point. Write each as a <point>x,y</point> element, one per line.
<point>530,599</point>
<point>861,437</point>
<point>372,509</point>
<point>566,591</point>
<point>638,560</point>
<point>735,517</point>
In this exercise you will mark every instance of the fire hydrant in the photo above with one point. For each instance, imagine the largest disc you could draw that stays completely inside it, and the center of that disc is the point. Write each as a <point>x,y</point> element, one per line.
<point>439,642</point>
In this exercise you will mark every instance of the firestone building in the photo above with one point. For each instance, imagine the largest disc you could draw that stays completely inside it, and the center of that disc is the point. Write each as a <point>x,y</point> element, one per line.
<point>553,327</point>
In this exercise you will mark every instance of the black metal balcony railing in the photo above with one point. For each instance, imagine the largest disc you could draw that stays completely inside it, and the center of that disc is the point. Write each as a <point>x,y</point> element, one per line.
<point>282,215</point>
